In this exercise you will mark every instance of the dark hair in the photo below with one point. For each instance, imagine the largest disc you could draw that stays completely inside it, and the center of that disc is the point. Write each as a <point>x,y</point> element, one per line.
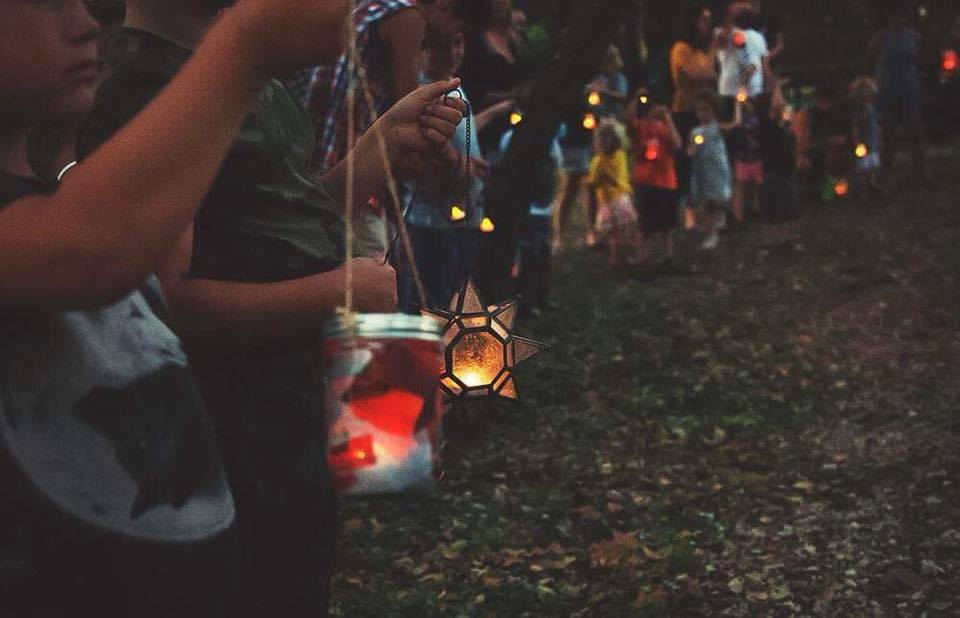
<point>691,35</point>
<point>478,14</point>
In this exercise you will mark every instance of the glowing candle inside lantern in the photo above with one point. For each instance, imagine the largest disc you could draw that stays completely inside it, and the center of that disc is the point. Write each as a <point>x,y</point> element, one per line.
<point>950,60</point>
<point>477,359</point>
<point>594,98</point>
<point>698,139</point>
<point>742,95</point>
<point>652,151</point>
<point>457,213</point>
<point>589,122</point>
<point>861,151</point>
<point>487,226</point>
<point>841,188</point>
<point>739,39</point>
<point>516,118</point>
<point>644,99</point>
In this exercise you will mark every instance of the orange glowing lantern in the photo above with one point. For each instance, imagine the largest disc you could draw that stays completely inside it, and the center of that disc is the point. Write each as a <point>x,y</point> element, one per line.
<point>593,99</point>
<point>481,348</point>
<point>516,118</point>
<point>457,213</point>
<point>487,226</point>
<point>841,188</point>
<point>383,403</point>
<point>742,95</point>
<point>739,39</point>
<point>949,61</point>
<point>861,151</point>
<point>589,122</point>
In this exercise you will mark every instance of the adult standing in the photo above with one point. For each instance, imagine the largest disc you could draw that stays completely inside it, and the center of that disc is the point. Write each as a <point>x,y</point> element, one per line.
<point>743,57</point>
<point>692,69</point>
<point>492,68</point>
<point>895,51</point>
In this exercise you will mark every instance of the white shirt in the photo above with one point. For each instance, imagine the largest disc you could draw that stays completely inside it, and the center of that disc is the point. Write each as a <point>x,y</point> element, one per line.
<point>734,60</point>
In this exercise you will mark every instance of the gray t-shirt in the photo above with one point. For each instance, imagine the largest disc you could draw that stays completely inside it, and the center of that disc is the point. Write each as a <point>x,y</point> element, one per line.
<point>100,416</point>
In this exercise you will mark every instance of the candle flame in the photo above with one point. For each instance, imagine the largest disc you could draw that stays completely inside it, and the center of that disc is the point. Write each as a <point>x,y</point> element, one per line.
<point>861,151</point>
<point>457,213</point>
<point>516,118</point>
<point>589,122</point>
<point>487,226</point>
<point>594,98</point>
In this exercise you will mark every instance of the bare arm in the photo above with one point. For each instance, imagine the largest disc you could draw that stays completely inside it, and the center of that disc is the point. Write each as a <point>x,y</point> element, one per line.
<point>119,212</point>
<point>484,118</point>
<point>419,125</point>
<point>205,310</point>
<point>110,221</point>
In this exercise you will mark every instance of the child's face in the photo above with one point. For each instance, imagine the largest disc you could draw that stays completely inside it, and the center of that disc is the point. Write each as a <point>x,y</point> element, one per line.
<point>48,61</point>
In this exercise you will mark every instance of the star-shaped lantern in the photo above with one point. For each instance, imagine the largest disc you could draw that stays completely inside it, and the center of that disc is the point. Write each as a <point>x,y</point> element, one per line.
<point>481,349</point>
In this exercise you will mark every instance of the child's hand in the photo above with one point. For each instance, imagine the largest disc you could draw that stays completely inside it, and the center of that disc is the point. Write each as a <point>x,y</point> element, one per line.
<point>286,35</point>
<point>421,124</point>
<point>375,286</point>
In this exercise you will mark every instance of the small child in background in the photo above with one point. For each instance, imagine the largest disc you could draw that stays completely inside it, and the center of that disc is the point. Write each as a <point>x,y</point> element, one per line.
<point>710,180</point>
<point>533,262</point>
<point>656,140</point>
<point>866,133</point>
<point>445,241</point>
<point>747,167</point>
<point>610,181</point>
<point>779,205</point>
<point>610,86</point>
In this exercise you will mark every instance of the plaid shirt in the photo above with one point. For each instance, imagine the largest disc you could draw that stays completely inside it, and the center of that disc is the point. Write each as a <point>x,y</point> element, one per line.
<point>323,90</point>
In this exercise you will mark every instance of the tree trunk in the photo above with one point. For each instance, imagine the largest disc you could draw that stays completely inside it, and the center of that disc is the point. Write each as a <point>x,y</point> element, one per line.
<point>592,27</point>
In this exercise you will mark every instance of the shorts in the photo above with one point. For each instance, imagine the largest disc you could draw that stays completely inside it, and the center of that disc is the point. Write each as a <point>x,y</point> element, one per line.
<point>658,208</point>
<point>778,199</point>
<point>615,214</point>
<point>750,173</point>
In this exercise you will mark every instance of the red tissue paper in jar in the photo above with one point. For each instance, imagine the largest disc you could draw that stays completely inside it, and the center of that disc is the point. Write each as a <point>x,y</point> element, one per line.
<point>383,404</point>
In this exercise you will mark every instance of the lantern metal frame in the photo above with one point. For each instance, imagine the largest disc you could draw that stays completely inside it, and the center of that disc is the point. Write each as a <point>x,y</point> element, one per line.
<point>469,316</point>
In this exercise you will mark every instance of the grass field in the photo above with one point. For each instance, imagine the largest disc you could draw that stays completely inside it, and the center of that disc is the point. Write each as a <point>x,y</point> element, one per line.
<point>751,434</point>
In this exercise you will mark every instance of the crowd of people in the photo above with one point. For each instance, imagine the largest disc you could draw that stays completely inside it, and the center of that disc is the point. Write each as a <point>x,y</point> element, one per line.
<point>205,221</point>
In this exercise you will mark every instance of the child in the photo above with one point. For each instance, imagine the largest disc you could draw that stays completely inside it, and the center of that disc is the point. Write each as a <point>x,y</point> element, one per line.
<point>710,181</point>
<point>610,87</point>
<point>866,133</point>
<point>610,181</point>
<point>106,456</point>
<point>533,261</point>
<point>778,151</point>
<point>445,242</point>
<point>656,140</point>
<point>251,284</point>
<point>748,169</point>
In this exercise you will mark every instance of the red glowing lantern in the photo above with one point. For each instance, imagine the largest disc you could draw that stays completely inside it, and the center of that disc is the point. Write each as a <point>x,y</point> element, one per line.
<point>383,403</point>
<point>949,62</point>
<point>652,151</point>
<point>841,188</point>
<point>739,39</point>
